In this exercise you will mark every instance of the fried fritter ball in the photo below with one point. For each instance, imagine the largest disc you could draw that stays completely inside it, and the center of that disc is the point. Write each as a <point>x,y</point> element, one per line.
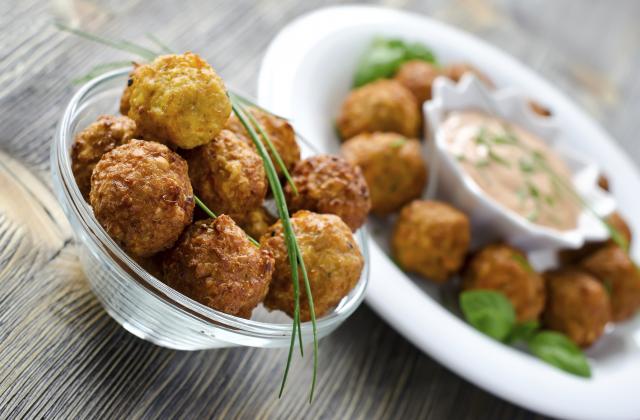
<point>418,77</point>
<point>457,70</point>
<point>572,256</point>
<point>141,195</point>
<point>613,267</point>
<point>331,256</point>
<point>280,133</point>
<point>179,99</point>
<point>392,166</point>
<point>383,105</point>
<point>505,269</point>
<point>431,238</point>
<point>577,305</point>
<point>257,222</point>
<point>215,264</point>
<point>330,184</point>
<point>227,175</point>
<point>102,136</point>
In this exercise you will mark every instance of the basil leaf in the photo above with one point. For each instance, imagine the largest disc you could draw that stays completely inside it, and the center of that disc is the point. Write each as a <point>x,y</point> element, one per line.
<point>524,331</point>
<point>488,311</point>
<point>384,56</point>
<point>558,350</point>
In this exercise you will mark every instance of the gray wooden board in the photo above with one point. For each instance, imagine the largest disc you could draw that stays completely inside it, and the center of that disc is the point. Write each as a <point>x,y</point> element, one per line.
<point>62,356</point>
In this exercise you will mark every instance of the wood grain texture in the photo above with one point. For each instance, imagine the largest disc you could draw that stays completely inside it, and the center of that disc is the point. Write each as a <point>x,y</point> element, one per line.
<point>61,356</point>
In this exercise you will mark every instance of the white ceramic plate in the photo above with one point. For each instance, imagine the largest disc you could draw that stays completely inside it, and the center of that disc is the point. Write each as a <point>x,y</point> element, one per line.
<point>306,73</point>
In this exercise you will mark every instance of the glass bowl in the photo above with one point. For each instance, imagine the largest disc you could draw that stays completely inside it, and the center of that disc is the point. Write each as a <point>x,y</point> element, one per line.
<point>139,302</point>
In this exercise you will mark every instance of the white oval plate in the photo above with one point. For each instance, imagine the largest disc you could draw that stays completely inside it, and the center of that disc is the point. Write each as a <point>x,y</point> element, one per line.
<point>305,75</point>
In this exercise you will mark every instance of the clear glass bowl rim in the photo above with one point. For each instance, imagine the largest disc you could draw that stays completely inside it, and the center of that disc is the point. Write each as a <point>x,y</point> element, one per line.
<point>76,207</point>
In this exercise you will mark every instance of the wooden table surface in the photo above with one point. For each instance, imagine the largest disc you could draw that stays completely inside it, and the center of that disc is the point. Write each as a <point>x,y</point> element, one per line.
<point>62,356</point>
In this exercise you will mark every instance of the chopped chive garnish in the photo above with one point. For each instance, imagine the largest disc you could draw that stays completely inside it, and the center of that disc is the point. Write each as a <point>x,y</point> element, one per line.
<point>498,159</point>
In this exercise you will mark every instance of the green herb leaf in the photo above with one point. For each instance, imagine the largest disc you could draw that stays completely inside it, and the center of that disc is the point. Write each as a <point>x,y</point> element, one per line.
<point>608,286</point>
<point>481,137</point>
<point>163,47</point>
<point>211,214</point>
<point>526,166</point>
<point>122,45</point>
<point>384,56</point>
<point>100,69</point>
<point>488,311</point>
<point>523,332</point>
<point>498,159</point>
<point>550,200</point>
<point>533,190</point>
<point>293,250</point>
<point>559,351</point>
<point>399,142</point>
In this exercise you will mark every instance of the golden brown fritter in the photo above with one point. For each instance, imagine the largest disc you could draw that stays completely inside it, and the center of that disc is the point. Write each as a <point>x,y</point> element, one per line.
<point>178,99</point>
<point>431,238</point>
<point>392,166</point>
<point>577,305</point>
<point>215,264</point>
<point>572,256</point>
<point>280,133</point>
<point>141,195</point>
<point>330,184</point>
<point>257,222</point>
<point>418,76</point>
<point>457,70</point>
<point>613,267</point>
<point>383,105</point>
<point>331,256</point>
<point>505,269</point>
<point>102,136</point>
<point>227,175</point>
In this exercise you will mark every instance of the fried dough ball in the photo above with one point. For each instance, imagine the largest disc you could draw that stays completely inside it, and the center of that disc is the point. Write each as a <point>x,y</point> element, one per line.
<point>431,238</point>
<point>505,269</point>
<point>577,305</point>
<point>141,195</point>
<point>280,133</point>
<point>457,70</point>
<point>392,166</point>
<point>227,175</point>
<point>572,256</point>
<point>613,267</point>
<point>102,136</point>
<point>331,256</point>
<point>418,77</point>
<point>180,99</point>
<point>383,105</point>
<point>330,184</point>
<point>215,264</point>
<point>257,222</point>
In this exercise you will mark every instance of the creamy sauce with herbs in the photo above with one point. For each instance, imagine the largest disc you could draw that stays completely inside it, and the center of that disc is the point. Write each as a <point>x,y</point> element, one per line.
<point>514,167</point>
